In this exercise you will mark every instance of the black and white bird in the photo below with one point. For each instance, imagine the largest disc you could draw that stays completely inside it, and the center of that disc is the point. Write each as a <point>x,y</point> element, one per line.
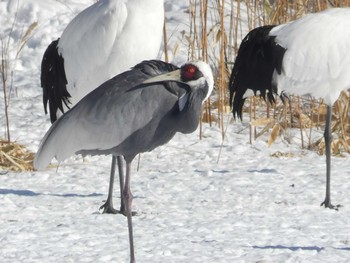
<point>132,113</point>
<point>308,56</point>
<point>102,41</point>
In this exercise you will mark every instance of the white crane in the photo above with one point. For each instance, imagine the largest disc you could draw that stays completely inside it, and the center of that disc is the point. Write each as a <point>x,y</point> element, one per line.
<point>131,113</point>
<point>308,56</point>
<point>103,40</point>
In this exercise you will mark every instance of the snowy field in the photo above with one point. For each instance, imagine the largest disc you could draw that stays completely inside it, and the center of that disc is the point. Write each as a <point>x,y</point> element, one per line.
<point>197,201</point>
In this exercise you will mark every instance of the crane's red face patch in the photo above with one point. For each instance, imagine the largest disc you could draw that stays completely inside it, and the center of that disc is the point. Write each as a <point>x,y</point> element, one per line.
<point>189,72</point>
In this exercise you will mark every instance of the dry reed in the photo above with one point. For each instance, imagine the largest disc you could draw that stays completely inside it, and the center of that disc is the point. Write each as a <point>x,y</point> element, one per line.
<point>15,157</point>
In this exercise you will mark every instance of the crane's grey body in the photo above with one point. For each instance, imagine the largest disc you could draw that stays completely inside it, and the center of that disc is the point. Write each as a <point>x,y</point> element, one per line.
<point>143,107</point>
<point>131,113</point>
<point>125,117</point>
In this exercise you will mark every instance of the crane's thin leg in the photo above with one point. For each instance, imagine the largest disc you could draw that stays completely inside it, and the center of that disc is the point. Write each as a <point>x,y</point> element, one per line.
<point>121,184</point>
<point>108,205</point>
<point>127,195</point>
<point>284,96</point>
<point>328,141</point>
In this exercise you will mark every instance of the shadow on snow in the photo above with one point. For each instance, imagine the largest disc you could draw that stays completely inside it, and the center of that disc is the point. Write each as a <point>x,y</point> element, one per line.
<point>31,193</point>
<point>295,248</point>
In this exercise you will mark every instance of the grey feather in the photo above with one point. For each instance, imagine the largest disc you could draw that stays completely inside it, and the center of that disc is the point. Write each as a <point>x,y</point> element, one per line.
<point>124,117</point>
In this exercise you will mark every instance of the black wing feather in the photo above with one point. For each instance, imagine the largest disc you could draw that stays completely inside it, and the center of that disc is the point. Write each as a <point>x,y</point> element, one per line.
<point>257,59</point>
<point>54,81</point>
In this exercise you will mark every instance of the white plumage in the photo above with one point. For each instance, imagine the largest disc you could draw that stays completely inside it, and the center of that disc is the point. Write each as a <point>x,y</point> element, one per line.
<point>317,59</point>
<point>107,38</point>
<point>308,56</point>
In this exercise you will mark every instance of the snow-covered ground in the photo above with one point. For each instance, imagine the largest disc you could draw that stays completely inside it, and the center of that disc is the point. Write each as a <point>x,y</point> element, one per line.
<point>197,200</point>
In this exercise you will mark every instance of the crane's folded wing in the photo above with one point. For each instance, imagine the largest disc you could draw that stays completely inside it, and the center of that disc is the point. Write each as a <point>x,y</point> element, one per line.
<point>107,116</point>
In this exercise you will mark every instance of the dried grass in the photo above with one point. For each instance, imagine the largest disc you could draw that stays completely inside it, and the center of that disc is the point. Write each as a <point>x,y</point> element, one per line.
<point>15,157</point>
<point>307,115</point>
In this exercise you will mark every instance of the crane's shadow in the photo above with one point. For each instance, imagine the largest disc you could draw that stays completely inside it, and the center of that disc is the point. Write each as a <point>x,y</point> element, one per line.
<point>30,193</point>
<point>296,248</point>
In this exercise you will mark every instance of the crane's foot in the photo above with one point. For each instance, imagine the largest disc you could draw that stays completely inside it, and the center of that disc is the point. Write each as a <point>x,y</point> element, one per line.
<point>109,209</point>
<point>327,204</point>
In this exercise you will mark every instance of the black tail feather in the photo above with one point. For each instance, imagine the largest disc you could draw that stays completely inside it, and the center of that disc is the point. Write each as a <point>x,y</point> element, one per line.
<point>54,81</point>
<point>258,58</point>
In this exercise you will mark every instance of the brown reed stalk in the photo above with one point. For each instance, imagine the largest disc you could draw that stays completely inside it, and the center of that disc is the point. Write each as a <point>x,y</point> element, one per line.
<point>205,57</point>
<point>222,69</point>
<point>312,118</point>
<point>301,125</point>
<point>165,38</point>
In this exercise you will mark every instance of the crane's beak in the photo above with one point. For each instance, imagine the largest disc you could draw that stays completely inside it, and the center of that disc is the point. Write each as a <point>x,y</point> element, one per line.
<point>170,76</point>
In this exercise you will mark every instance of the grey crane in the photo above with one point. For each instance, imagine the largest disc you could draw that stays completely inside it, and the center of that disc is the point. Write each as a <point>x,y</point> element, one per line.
<point>134,112</point>
<point>103,40</point>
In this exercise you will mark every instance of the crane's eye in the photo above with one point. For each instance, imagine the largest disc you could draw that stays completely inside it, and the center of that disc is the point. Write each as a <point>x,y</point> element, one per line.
<point>189,72</point>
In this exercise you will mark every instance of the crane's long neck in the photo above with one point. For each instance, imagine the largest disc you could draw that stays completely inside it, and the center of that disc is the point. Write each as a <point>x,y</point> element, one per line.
<point>190,114</point>
<point>142,33</point>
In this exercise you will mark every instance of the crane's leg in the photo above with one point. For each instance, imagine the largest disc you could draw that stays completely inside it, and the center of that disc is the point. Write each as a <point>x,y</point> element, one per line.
<point>108,205</point>
<point>121,184</point>
<point>127,195</point>
<point>328,141</point>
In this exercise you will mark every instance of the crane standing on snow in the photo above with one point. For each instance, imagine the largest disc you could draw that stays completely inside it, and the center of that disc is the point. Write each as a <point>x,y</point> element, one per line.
<point>132,113</point>
<point>103,40</point>
<point>307,56</point>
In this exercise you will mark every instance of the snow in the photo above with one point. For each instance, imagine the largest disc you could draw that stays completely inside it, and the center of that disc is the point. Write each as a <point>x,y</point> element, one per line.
<point>197,200</point>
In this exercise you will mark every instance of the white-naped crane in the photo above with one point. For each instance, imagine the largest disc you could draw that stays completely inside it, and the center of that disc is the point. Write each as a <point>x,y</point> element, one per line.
<point>308,56</point>
<point>132,113</point>
<point>102,41</point>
